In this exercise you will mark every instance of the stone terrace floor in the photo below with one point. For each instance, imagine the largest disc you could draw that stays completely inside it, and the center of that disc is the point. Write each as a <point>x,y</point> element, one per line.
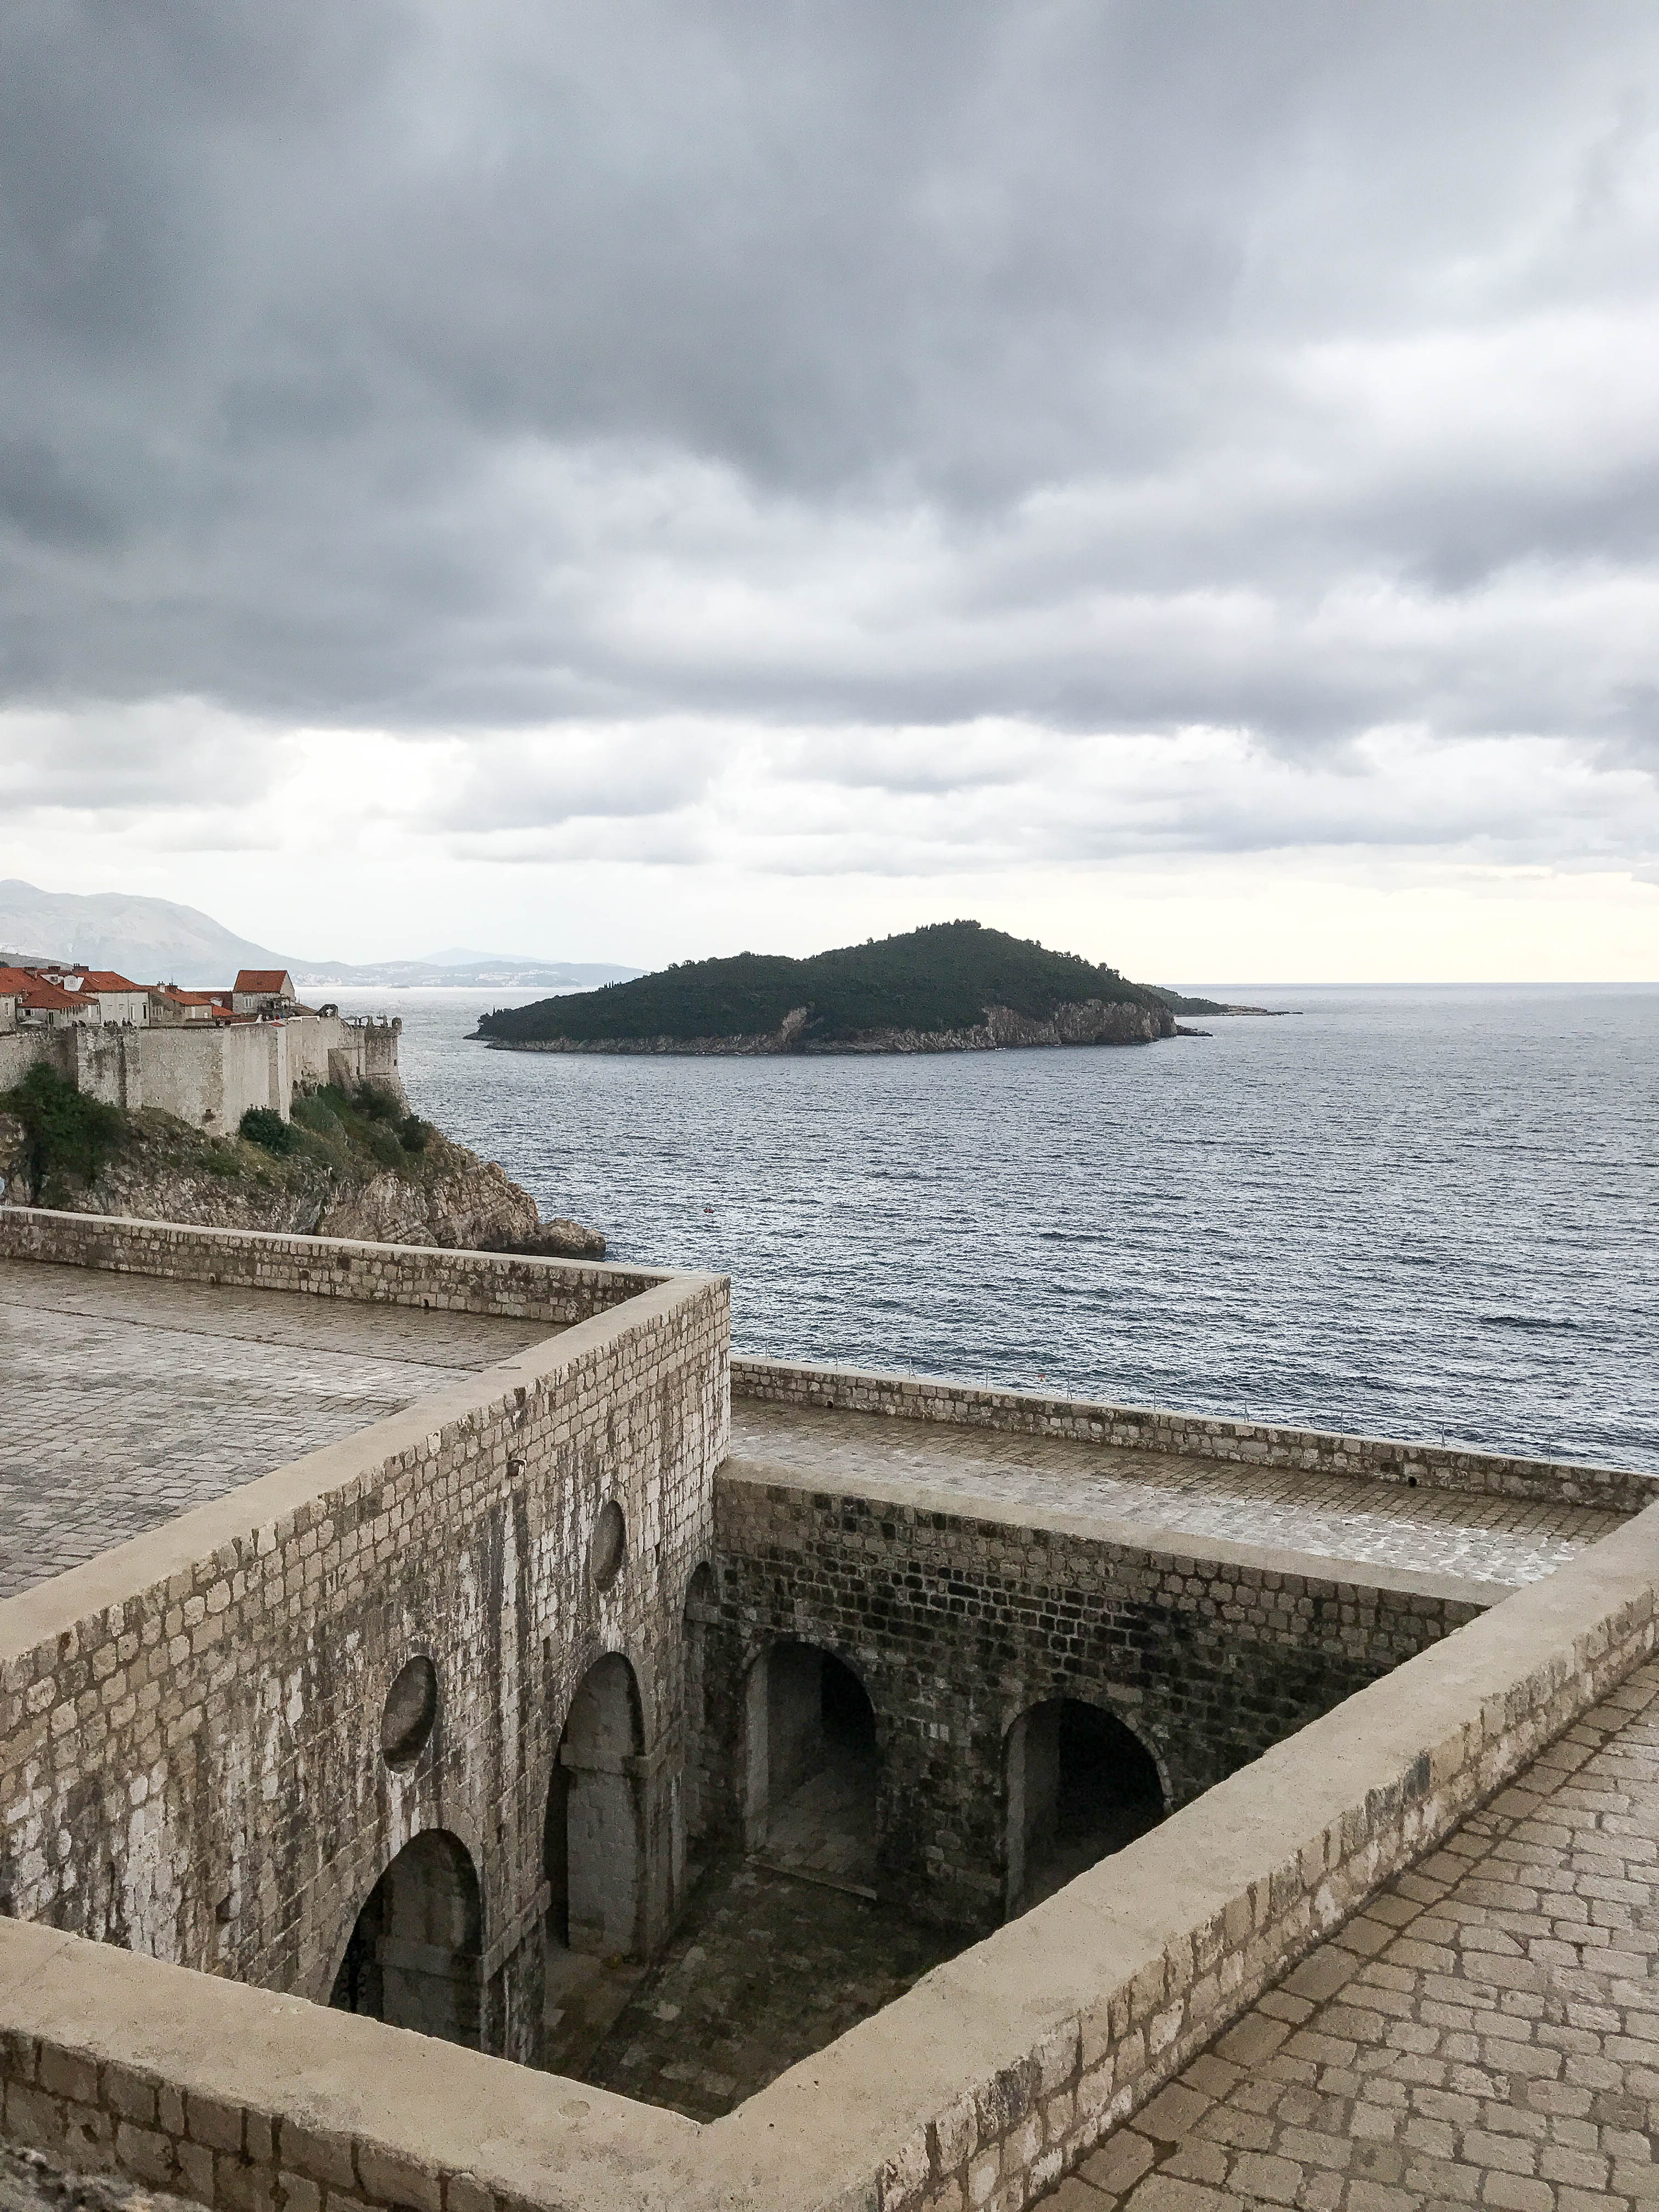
<point>1496,1540</point>
<point>1485,2034</point>
<point>128,1400</point>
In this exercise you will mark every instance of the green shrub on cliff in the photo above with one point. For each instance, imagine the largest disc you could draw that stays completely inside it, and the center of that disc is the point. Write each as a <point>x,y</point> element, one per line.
<point>69,1135</point>
<point>261,1126</point>
<point>346,1126</point>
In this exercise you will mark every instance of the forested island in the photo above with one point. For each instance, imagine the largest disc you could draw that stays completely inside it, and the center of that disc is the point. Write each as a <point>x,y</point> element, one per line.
<point>954,986</point>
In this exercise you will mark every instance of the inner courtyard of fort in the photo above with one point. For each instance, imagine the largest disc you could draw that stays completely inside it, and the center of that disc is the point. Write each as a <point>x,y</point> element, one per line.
<point>473,1646</point>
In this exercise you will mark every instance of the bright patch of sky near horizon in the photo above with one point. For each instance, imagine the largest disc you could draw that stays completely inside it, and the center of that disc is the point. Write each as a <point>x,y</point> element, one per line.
<point>1179,482</point>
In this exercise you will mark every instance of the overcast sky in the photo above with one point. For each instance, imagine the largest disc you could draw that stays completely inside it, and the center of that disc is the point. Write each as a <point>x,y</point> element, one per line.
<point>622,481</point>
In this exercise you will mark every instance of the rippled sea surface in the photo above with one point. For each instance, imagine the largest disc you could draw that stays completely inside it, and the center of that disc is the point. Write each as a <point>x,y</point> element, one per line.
<point>1416,1213</point>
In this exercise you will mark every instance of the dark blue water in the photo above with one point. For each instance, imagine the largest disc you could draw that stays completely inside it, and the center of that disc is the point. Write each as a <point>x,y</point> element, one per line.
<point>1407,1212</point>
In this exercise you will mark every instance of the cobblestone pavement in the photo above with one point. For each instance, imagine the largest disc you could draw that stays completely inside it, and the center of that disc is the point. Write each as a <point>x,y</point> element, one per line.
<point>766,1969</point>
<point>1501,1540</point>
<point>1486,2034</point>
<point>128,1399</point>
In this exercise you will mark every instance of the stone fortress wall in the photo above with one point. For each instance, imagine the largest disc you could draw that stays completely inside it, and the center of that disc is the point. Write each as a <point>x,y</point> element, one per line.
<point>221,1682</point>
<point>956,1626</point>
<point>1191,1436</point>
<point>209,1075</point>
<point>190,1755</point>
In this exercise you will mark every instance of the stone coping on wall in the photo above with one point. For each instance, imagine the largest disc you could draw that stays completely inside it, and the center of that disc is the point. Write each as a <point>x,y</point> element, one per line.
<point>1188,1436</point>
<point>995,2074</point>
<point>500,1284</point>
<point>265,1513</point>
<point>1275,1567</point>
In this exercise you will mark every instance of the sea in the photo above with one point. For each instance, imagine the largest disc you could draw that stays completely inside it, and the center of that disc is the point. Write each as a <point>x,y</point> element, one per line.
<point>1421,1213</point>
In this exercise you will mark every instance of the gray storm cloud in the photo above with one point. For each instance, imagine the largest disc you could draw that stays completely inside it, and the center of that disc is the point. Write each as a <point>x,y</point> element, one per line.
<point>1069,368</point>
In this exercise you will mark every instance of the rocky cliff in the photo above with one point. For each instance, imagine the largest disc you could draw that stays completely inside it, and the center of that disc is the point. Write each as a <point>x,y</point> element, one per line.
<point>348,1174</point>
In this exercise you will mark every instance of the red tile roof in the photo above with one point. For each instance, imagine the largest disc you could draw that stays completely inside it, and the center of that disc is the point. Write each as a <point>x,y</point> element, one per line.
<point>106,979</point>
<point>47,998</point>
<point>262,982</point>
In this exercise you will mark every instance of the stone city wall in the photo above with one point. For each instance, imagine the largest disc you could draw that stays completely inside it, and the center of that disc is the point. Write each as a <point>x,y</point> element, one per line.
<point>1196,1435</point>
<point>994,2075</point>
<point>558,1292</point>
<point>20,1049</point>
<point>191,1755</point>
<point>956,1624</point>
<point>209,1075</point>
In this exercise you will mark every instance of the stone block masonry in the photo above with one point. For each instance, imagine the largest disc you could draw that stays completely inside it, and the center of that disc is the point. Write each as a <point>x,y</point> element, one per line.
<point>195,1769</point>
<point>554,1290</point>
<point>191,1757</point>
<point>958,1623</point>
<point>994,2077</point>
<point>1191,1436</point>
<point>210,1074</point>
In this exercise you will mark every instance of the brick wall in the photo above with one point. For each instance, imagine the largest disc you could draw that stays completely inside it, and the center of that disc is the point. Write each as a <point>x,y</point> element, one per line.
<point>1196,1435</point>
<point>956,1625</point>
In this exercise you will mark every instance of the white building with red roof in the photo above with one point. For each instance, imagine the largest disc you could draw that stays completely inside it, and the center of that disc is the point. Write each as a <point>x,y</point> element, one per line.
<point>264,990</point>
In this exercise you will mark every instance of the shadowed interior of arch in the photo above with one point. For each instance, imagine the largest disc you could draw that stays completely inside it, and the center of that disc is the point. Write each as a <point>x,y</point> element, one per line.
<point>821,1767</point>
<point>413,1958</point>
<point>1080,1786</point>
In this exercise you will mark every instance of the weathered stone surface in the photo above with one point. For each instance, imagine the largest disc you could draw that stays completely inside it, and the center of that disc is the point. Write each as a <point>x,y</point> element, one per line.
<point>124,1409</point>
<point>1485,2032</point>
<point>957,1623</point>
<point>217,1685</point>
<point>189,1728</point>
<point>1191,1436</point>
<point>29,2182</point>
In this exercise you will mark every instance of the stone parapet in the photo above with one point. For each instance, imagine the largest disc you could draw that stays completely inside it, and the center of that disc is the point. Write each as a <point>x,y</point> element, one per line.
<point>558,1292</point>
<point>957,1620</point>
<point>993,2076</point>
<point>1190,1436</point>
<point>191,1753</point>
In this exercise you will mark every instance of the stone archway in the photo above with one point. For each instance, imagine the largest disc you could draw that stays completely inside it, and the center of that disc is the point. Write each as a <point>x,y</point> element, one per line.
<point>813,1765</point>
<point>1080,1784</point>
<point>414,1957</point>
<point>594,1853</point>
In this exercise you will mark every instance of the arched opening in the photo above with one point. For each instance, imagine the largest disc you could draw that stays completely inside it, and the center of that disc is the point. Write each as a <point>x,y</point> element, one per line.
<point>1080,1785</point>
<point>414,1955</point>
<point>700,1617</point>
<point>592,1840</point>
<point>813,1765</point>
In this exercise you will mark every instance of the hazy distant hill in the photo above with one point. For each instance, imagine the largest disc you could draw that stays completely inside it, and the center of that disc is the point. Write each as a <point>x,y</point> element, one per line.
<point>150,939</point>
<point>154,941</point>
<point>482,971</point>
<point>954,986</point>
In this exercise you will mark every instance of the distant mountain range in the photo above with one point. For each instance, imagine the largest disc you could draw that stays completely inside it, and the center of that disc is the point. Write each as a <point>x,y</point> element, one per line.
<point>154,941</point>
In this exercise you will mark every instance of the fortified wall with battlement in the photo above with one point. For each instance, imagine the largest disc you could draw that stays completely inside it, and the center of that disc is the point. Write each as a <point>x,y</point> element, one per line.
<point>331,1753</point>
<point>211,1076</point>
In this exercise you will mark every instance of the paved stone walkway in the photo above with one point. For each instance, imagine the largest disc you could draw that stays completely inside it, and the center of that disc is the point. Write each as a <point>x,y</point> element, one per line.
<point>1496,1540</point>
<point>1486,2034</point>
<point>128,1400</point>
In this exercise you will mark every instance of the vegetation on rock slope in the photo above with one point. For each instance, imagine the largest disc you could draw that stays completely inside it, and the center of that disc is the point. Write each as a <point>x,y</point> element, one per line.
<point>354,1164</point>
<point>931,981</point>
